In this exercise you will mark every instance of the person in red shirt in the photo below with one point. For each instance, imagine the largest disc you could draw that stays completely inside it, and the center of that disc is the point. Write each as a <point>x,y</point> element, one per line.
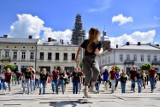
<point>151,74</point>
<point>8,79</point>
<point>132,75</point>
<point>113,78</point>
<point>55,76</point>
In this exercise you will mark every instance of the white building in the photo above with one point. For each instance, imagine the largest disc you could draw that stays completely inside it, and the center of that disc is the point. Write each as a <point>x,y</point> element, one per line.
<point>53,53</point>
<point>20,52</point>
<point>131,54</point>
<point>24,52</point>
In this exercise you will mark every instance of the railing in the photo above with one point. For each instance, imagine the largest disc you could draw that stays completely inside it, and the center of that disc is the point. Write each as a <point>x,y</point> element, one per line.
<point>156,62</point>
<point>5,59</point>
<point>129,62</point>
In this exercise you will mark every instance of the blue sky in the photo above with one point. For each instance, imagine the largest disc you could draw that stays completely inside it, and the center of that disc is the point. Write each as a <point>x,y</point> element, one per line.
<point>124,20</point>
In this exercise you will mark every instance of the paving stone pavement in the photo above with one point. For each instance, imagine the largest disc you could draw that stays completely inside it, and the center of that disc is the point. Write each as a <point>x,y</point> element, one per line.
<point>103,99</point>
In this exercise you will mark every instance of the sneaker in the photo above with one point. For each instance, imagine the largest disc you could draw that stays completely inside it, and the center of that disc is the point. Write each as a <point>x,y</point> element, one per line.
<point>93,91</point>
<point>86,94</point>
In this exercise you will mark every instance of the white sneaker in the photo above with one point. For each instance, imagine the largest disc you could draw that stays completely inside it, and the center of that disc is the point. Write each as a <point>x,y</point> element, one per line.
<point>93,91</point>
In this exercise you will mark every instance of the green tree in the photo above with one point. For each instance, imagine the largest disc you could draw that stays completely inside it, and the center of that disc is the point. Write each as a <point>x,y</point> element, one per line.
<point>117,68</point>
<point>146,67</point>
<point>12,67</point>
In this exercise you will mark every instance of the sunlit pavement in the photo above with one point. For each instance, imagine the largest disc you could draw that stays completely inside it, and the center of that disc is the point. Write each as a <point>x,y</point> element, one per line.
<point>103,99</point>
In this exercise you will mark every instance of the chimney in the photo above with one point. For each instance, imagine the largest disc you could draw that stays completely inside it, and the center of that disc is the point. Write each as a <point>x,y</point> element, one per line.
<point>49,39</point>
<point>139,43</point>
<point>5,36</point>
<point>116,45</point>
<point>30,37</point>
<point>127,43</point>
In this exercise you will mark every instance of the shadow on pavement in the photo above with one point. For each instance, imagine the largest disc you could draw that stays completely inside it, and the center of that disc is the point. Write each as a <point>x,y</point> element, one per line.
<point>73,103</point>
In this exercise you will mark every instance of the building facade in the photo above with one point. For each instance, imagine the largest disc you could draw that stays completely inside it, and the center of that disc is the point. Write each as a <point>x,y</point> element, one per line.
<point>25,52</point>
<point>51,54</point>
<point>131,54</point>
<point>20,52</point>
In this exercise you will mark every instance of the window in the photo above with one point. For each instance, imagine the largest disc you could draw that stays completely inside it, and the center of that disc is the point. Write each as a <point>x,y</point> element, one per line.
<point>23,55</point>
<point>32,55</point>
<point>49,56</point>
<point>142,58</point>
<point>155,58</point>
<point>120,57</point>
<point>73,56</point>
<point>149,58</point>
<point>14,55</point>
<point>41,55</point>
<point>7,54</point>
<point>57,56</point>
<point>135,57</point>
<point>65,56</point>
<point>128,57</point>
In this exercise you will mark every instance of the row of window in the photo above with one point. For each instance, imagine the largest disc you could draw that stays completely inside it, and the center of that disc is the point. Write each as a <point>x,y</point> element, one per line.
<point>23,55</point>
<point>135,58</point>
<point>15,54</point>
<point>65,56</point>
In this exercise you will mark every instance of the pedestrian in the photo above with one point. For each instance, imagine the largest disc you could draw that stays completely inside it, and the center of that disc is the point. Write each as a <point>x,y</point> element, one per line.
<point>105,79</point>
<point>139,78</point>
<point>65,80</point>
<point>18,74</point>
<point>151,74</point>
<point>61,80</point>
<point>81,80</point>
<point>13,78</point>
<point>123,80</point>
<point>75,80</point>
<point>3,82</point>
<point>132,75</point>
<point>145,79</point>
<point>156,79</point>
<point>32,83</point>
<point>8,79</point>
<point>27,80</point>
<point>93,47</point>
<point>55,77</point>
<point>113,78</point>
<point>98,83</point>
<point>43,80</point>
<point>117,79</point>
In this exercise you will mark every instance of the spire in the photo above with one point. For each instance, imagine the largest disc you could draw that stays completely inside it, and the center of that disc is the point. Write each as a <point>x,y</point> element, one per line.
<point>105,40</point>
<point>78,32</point>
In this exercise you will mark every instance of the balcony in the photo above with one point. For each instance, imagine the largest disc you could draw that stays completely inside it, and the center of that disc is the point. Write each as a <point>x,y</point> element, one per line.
<point>129,62</point>
<point>155,62</point>
<point>5,59</point>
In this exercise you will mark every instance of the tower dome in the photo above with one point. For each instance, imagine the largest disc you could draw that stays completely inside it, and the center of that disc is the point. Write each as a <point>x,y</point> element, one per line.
<point>105,41</point>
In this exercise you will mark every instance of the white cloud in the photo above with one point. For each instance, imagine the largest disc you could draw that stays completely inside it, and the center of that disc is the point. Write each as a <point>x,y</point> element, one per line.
<point>26,25</point>
<point>65,35</point>
<point>143,37</point>
<point>121,19</point>
<point>33,25</point>
<point>100,5</point>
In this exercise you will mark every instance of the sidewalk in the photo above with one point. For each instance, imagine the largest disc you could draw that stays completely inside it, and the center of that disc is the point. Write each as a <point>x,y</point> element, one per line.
<point>105,98</point>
